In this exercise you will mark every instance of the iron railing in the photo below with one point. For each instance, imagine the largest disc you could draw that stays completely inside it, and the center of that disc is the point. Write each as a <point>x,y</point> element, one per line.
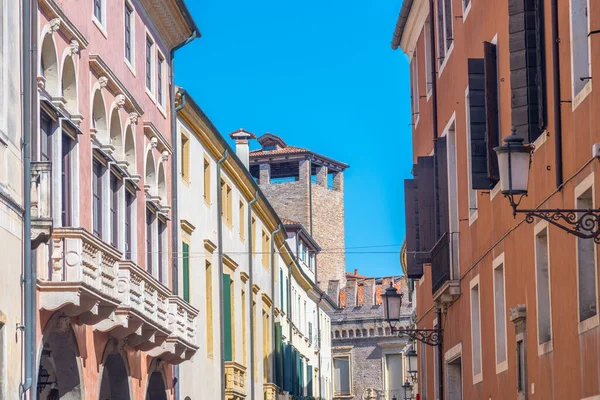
<point>440,262</point>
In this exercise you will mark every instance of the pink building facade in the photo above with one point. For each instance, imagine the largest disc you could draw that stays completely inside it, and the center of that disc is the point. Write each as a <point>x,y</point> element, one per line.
<point>110,322</point>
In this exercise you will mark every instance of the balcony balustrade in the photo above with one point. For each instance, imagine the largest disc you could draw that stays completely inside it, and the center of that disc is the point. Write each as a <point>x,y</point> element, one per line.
<point>444,285</point>
<point>235,381</point>
<point>271,391</point>
<point>88,279</point>
<point>83,277</point>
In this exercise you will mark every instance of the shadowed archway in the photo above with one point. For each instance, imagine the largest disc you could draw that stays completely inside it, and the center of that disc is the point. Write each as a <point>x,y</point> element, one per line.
<point>114,384</point>
<point>156,387</point>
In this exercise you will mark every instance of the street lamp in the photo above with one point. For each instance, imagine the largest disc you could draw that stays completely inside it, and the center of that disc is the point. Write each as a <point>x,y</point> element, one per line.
<point>514,159</point>
<point>411,358</point>
<point>392,305</point>
<point>407,390</point>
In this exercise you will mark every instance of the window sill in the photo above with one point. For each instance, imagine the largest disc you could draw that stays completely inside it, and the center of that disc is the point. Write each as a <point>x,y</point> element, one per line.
<point>151,95</point>
<point>588,324</point>
<point>131,67</point>
<point>429,92</point>
<point>582,95</point>
<point>446,58</point>
<point>466,11</point>
<point>501,367</point>
<point>100,27</point>
<point>343,396</point>
<point>473,217</point>
<point>162,110</point>
<point>185,181</point>
<point>478,378</point>
<point>545,348</point>
<point>539,142</point>
<point>494,192</point>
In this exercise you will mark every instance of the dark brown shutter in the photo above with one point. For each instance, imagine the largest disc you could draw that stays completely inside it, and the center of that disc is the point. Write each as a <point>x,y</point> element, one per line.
<point>411,212</point>
<point>479,175</point>
<point>492,135</point>
<point>525,32</point>
<point>426,195</point>
<point>442,209</point>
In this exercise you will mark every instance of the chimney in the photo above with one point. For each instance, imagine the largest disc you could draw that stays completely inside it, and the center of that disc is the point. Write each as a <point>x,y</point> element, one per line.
<point>351,292</point>
<point>242,148</point>
<point>333,291</point>
<point>369,292</point>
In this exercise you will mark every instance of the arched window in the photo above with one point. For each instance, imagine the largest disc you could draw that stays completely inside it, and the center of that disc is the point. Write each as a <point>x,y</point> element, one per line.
<point>99,118</point>
<point>130,150</point>
<point>344,334</point>
<point>115,133</point>
<point>162,185</point>
<point>380,331</point>
<point>150,176</point>
<point>371,332</point>
<point>49,65</point>
<point>358,333</point>
<point>351,333</point>
<point>387,331</point>
<point>337,334</point>
<point>69,85</point>
<point>364,332</point>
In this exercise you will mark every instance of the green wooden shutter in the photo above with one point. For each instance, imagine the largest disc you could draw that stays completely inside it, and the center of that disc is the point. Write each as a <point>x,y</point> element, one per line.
<point>227,353</point>
<point>309,378</point>
<point>289,369</point>
<point>278,356</point>
<point>186,272</point>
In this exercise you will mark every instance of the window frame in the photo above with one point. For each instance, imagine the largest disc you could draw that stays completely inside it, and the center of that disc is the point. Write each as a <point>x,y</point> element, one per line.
<point>129,230</point>
<point>474,286</point>
<point>160,80</point>
<point>67,158</point>
<point>414,69</point>
<point>100,22</point>
<point>347,356</point>
<point>587,185</point>
<point>442,29</point>
<point>149,66</point>
<point>185,156</point>
<point>499,263</point>
<point>129,16</point>
<point>114,208</point>
<point>546,346</point>
<point>579,96</point>
<point>98,170</point>
<point>471,193</point>
<point>150,222</point>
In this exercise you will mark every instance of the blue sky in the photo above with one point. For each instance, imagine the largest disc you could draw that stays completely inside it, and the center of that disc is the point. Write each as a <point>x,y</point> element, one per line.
<point>322,75</point>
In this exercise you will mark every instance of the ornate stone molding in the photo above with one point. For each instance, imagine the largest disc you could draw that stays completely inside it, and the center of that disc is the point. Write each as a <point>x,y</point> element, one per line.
<point>120,99</point>
<point>133,118</point>
<point>73,47</point>
<point>103,81</point>
<point>54,25</point>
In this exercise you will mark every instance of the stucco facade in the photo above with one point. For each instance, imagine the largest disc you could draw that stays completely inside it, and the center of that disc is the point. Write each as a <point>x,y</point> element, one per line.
<point>520,301</point>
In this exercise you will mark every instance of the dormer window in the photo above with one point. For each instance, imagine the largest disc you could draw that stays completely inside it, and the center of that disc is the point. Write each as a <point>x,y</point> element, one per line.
<point>269,147</point>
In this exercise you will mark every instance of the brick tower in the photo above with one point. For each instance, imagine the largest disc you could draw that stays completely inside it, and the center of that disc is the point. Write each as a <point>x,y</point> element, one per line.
<point>307,187</point>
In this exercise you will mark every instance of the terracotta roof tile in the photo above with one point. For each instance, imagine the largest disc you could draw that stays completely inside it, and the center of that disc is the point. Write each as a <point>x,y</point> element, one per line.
<point>381,283</point>
<point>284,150</point>
<point>289,222</point>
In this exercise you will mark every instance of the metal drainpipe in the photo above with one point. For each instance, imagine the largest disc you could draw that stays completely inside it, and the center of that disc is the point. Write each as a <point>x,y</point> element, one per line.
<point>174,182</point>
<point>275,232</point>
<point>319,342</point>
<point>556,98</point>
<point>251,282</point>
<point>29,75</point>
<point>220,253</point>
<point>310,202</point>
<point>435,136</point>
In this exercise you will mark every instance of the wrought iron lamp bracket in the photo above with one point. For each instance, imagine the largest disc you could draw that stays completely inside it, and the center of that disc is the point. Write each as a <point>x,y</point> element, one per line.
<point>431,337</point>
<point>582,223</point>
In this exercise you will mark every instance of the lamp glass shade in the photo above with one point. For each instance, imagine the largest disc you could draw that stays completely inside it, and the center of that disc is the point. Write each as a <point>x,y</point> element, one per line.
<point>411,358</point>
<point>513,165</point>
<point>392,304</point>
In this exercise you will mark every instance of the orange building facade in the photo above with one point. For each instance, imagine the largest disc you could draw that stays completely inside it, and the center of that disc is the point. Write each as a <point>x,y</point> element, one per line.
<point>519,300</point>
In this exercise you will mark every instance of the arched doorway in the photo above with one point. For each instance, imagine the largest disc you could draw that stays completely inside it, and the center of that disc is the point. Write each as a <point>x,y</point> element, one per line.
<point>114,384</point>
<point>156,387</point>
<point>58,372</point>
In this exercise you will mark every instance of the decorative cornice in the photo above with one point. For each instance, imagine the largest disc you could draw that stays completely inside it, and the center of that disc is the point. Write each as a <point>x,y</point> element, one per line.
<point>244,277</point>
<point>187,226</point>
<point>54,11</point>
<point>210,246</point>
<point>255,288</point>
<point>171,18</point>
<point>153,133</point>
<point>414,26</point>
<point>114,84</point>
<point>267,300</point>
<point>228,261</point>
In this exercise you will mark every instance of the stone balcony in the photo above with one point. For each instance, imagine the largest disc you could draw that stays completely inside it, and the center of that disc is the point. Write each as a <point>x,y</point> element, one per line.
<point>83,278</point>
<point>270,390</point>
<point>89,280</point>
<point>235,381</point>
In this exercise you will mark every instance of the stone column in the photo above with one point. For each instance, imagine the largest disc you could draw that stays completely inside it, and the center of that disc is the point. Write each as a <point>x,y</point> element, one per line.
<point>322,176</point>
<point>304,171</point>
<point>338,181</point>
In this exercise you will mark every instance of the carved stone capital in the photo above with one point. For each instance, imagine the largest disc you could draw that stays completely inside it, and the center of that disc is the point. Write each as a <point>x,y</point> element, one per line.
<point>73,47</point>
<point>154,142</point>
<point>63,324</point>
<point>165,155</point>
<point>54,25</point>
